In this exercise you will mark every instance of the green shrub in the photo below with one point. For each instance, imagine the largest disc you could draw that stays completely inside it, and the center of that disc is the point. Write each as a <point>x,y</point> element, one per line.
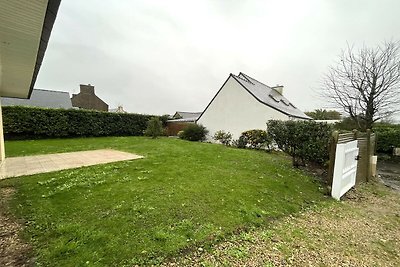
<point>164,119</point>
<point>194,132</point>
<point>256,139</point>
<point>240,143</point>
<point>154,128</point>
<point>348,124</point>
<point>31,122</point>
<point>180,134</point>
<point>223,137</point>
<point>388,136</point>
<point>303,140</point>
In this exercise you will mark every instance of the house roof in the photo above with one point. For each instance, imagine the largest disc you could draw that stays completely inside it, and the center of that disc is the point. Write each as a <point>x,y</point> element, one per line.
<point>191,119</point>
<point>269,96</point>
<point>182,116</point>
<point>186,115</point>
<point>41,98</point>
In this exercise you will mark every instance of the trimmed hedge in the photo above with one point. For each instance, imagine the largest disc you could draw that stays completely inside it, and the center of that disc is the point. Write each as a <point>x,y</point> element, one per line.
<point>388,136</point>
<point>32,123</point>
<point>303,140</point>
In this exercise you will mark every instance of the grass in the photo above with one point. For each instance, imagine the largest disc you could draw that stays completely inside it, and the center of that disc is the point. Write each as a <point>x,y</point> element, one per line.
<point>360,230</point>
<point>180,196</point>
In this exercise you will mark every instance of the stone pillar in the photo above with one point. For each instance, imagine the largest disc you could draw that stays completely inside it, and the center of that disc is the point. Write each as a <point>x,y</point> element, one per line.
<point>2,150</point>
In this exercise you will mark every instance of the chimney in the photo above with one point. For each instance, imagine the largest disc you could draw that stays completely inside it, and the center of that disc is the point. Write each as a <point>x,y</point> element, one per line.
<point>278,88</point>
<point>87,89</point>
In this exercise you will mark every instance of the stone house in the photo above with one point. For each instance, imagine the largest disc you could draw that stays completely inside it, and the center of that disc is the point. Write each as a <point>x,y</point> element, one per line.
<point>87,99</point>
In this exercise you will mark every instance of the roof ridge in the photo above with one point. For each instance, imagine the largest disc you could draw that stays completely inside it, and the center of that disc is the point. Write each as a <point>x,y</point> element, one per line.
<point>243,78</point>
<point>50,90</point>
<point>255,79</point>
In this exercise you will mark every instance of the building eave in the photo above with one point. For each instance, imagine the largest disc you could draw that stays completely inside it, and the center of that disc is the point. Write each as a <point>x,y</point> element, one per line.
<point>25,28</point>
<point>50,17</point>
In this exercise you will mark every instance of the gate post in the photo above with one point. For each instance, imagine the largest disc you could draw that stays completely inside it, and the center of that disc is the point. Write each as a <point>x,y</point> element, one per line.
<point>368,154</point>
<point>332,154</point>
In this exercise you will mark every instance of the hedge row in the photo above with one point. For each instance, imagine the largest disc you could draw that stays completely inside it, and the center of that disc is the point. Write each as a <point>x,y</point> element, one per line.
<point>388,136</point>
<point>31,122</point>
<point>303,140</point>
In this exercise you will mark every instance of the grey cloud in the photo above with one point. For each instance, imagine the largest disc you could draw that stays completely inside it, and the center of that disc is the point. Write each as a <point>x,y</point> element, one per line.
<point>160,56</point>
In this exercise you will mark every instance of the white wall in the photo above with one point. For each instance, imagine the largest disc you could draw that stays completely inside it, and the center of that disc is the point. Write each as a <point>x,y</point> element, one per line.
<point>2,149</point>
<point>235,110</point>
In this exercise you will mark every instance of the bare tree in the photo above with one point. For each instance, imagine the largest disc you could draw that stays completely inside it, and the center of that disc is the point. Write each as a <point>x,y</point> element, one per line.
<point>366,84</point>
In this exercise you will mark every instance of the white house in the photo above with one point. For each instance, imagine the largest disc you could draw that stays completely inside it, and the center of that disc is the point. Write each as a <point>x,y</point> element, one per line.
<point>243,103</point>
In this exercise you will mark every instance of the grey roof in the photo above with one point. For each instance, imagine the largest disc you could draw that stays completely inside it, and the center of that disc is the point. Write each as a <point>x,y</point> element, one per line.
<point>187,115</point>
<point>268,96</point>
<point>191,119</point>
<point>41,98</point>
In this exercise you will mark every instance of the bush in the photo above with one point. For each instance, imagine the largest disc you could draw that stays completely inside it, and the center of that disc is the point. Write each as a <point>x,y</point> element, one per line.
<point>240,143</point>
<point>194,132</point>
<point>303,140</point>
<point>31,122</point>
<point>223,137</point>
<point>348,124</point>
<point>180,134</point>
<point>256,139</point>
<point>154,128</point>
<point>388,136</point>
<point>164,119</point>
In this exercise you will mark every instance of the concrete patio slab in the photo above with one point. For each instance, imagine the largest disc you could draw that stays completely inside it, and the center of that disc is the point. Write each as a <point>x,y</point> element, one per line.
<point>28,165</point>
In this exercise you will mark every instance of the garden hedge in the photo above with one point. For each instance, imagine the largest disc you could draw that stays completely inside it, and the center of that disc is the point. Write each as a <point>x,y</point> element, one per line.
<point>32,122</point>
<point>388,136</point>
<point>303,140</point>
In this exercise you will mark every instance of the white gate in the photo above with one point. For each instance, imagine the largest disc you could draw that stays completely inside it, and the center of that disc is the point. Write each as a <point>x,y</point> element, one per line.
<point>345,170</point>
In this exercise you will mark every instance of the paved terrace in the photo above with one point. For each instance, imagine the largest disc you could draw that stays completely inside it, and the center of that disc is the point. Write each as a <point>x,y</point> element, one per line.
<point>28,165</point>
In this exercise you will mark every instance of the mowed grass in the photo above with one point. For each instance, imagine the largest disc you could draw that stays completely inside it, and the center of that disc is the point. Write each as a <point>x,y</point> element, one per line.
<point>182,195</point>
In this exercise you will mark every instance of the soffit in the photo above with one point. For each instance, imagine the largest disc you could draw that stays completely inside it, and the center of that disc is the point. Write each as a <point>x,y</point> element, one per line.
<point>21,24</point>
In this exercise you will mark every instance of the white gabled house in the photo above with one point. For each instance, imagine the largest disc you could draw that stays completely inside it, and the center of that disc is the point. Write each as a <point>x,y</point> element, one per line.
<point>243,103</point>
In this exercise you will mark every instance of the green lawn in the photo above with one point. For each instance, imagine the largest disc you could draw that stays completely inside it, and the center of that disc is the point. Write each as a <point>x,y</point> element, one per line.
<point>181,195</point>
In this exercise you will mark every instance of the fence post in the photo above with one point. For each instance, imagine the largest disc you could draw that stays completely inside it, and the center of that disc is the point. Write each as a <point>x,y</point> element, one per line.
<point>332,154</point>
<point>355,134</point>
<point>368,154</point>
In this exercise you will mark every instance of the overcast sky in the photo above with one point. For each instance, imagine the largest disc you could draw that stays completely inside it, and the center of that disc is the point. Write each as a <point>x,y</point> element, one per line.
<point>157,57</point>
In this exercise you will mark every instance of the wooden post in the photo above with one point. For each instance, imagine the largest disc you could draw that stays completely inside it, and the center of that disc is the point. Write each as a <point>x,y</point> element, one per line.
<point>368,154</point>
<point>355,134</point>
<point>332,153</point>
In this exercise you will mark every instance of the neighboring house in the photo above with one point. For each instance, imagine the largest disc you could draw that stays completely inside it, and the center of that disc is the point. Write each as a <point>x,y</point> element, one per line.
<point>87,99</point>
<point>180,120</point>
<point>41,98</point>
<point>243,103</point>
<point>119,109</point>
<point>190,116</point>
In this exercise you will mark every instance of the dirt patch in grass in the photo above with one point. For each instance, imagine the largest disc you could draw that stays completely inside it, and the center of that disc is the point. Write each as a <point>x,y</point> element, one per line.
<point>13,251</point>
<point>362,230</point>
